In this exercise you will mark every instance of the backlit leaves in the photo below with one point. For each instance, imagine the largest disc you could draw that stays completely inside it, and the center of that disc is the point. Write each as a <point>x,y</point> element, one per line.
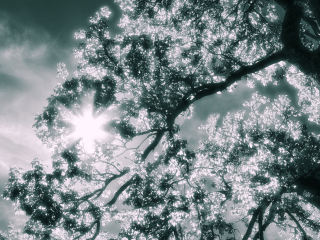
<point>255,167</point>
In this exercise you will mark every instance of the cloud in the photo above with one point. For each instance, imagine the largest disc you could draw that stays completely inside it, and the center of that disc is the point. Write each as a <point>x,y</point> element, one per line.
<point>26,78</point>
<point>8,83</point>
<point>28,63</point>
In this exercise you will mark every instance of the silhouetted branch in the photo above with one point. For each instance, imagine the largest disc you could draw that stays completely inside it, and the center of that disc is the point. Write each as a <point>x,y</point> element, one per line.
<point>298,225</point>
<point>120,190</point>
<point>98,223</point>
<point>152,146</point>
<point>296,53</point>
<point>264,204</point>
<point>260,222</point>
<point>251,224</point>
<point>271,214</point>
<point>212,88</point>
<point>106,183</point>
<point>269,220</point>
<point>150,131</point>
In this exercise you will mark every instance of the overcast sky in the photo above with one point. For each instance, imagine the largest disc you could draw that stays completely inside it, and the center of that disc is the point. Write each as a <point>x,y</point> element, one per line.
<point>34,36</point>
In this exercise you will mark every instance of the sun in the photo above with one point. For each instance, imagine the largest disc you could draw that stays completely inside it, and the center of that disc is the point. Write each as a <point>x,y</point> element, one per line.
<point>88,128</point>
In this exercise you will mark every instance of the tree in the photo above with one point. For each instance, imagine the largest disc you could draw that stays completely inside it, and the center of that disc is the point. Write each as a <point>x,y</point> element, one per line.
<point>171,53</point>
<point>13,234</point>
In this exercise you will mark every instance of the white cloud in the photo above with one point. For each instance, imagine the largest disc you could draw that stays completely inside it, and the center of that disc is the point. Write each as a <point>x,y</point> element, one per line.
<point>27,78</point>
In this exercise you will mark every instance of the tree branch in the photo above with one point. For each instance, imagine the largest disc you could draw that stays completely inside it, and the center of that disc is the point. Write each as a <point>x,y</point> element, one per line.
<point>150,131</point>
<point>271,215</point>
<point>312,22</point>
<point>251,6</point>
<point>260,222</point>
<point>98,223</point>
<point>212,88</point>
<point>298,225</point>
<point>251,224</point>
<point>120,190</point>
<point>269,220</point>
<point>106,183</point>
<point>176,234</point>
<point>296,53</point>
<point>264,204</point>
<point>314,5</point>
<point>153,145</point>
<point>208,89</point>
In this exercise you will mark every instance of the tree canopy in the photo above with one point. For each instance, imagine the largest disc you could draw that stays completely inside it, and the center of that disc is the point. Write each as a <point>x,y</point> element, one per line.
<point>258,168</point>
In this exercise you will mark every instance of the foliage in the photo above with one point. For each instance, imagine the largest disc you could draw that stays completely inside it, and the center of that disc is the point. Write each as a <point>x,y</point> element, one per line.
<point>257,169</point>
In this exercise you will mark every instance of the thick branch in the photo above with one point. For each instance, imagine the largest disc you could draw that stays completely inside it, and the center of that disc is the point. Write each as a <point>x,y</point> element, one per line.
<point>313,25</point>
<point>251,6</point>
<point>263,205</point>
<point>120,190</point>
<point>97,230</point>
<point>153,145</point>
<point>260,222</point>
<point>212,88</point>
<point>269,220</point>
<point>290,34</point>
<point>208,89</point>
<point>176,234</point>
<point>296,53</point>
<point>298,225</point>
<point>271,215</point>
<point>315,7</point>
<point>251,224</point>
<point>150,131</point>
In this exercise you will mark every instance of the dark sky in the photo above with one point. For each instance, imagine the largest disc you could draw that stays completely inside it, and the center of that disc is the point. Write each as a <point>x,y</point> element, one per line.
<point>59,18</point>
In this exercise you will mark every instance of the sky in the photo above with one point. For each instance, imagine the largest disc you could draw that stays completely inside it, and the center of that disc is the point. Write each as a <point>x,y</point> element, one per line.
<point>35,35</point>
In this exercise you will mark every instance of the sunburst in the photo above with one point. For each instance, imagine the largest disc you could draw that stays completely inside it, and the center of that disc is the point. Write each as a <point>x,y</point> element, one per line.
<point>88,128</point>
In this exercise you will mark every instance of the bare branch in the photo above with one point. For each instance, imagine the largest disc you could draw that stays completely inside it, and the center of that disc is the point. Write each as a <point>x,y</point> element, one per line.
<point>251,224</point>
<point>269,220</point>
<point>312,22</point>
<point>212,88</point>
<point>271,215</point>
<point>298,225</point>
<point>260,222</point>
<point>254,217</point>
<point>152,146</point>
<point>106,183</point>
<point>121,190</point>
<point>98,224</point>
<point>314,5</point>
<point>150,131</point>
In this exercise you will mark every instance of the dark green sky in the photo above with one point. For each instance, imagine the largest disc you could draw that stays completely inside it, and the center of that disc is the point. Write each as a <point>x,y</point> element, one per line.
<point>59,18</point>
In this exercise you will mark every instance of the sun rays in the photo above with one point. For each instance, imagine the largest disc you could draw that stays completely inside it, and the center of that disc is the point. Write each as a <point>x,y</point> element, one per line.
<point>88,128</point>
